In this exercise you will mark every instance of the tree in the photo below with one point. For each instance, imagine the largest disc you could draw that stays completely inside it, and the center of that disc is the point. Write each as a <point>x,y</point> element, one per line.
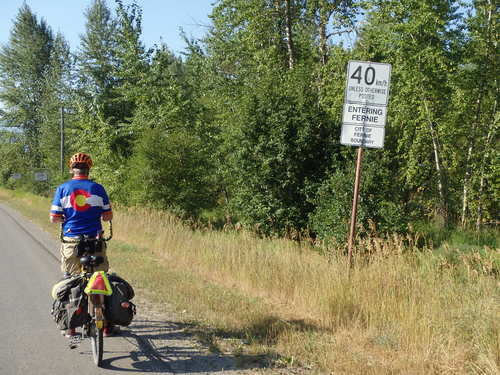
<point>131,66</point>
<point>111,62</point>
<point>13,158</point>
<point>417,37</point>
<point>382,207</point>
<point>94,131</point>
<point>276,141</point>
<point>477,89</point>
<point>172,156</point>
<point>331,18</point>
<point>96,58</point>
<point>56,98</point>
<point>24,65</point>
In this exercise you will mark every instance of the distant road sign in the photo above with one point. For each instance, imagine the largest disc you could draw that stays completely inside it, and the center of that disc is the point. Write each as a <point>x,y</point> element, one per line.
<point>41,176</point>
<point>361,114</point>
<point>368,83</point>
<point>362,136</point>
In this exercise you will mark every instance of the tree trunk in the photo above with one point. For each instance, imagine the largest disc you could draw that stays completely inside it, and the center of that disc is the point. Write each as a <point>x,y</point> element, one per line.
<point>289,34</point>
<point>436,147</point>
<point>489,138</point>
<point>439,169</point>
<point>323,38</point>
<point>491,59</point>
<point>468,167</point>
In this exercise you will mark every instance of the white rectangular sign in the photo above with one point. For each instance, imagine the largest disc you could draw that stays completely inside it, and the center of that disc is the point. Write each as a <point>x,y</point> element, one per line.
<point>360,114</point>
<point>368,83</point>
<point>41,176</point>
<point>362,136</point>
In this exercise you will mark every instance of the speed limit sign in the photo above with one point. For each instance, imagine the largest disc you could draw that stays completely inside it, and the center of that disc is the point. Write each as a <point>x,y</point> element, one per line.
<point>368,83</point>
<point>365,104</point>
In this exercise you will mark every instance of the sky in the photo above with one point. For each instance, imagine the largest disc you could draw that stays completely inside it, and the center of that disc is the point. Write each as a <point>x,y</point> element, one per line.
<point>161,19</point>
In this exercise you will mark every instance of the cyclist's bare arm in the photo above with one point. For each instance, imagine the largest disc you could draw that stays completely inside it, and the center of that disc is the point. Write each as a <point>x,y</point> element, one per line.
<point>107,216</point>
<point>56,218</point>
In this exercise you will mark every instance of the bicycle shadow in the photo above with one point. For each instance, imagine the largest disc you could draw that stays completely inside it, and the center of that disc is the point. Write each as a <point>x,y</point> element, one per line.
<point>170,347</point>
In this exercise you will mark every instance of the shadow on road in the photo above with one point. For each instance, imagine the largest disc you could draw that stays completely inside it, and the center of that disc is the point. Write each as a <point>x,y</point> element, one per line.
<point>170,347</point>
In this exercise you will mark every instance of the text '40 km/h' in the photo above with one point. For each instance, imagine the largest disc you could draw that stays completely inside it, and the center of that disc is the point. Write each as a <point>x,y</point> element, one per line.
<point>365,104</point>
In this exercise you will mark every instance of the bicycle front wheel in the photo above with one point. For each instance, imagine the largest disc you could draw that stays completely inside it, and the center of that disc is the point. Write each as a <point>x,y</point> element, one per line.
<point>97,343</point>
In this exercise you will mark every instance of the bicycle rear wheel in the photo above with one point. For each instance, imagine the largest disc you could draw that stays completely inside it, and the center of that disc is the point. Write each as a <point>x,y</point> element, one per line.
<point>97,343</point>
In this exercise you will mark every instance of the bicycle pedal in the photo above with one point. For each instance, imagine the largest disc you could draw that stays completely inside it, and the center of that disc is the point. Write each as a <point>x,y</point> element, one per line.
<point>74,342</point>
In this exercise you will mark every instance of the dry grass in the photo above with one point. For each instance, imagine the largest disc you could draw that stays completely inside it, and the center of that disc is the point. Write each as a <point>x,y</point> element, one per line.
<point>398,311</point>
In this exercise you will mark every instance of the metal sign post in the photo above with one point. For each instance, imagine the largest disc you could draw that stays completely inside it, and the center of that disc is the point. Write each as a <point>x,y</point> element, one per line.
<point>354,211</point>
<point>363,120</point>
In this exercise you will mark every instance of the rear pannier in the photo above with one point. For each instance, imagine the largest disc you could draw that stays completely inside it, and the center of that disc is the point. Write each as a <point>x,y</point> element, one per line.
<point>119,310</point>
<point>69,309</point>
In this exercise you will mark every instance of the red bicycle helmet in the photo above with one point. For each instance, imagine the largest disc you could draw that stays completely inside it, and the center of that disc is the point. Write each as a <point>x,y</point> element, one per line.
<point>80,158</point>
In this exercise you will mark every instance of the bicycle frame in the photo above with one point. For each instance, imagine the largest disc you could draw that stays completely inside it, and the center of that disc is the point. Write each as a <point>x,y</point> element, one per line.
<point>96,309</point>
<point>96,306</point>
<point>95,302</point>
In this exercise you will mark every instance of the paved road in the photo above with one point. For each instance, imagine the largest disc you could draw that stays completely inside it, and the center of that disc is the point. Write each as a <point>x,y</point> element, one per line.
<point>30,343</point>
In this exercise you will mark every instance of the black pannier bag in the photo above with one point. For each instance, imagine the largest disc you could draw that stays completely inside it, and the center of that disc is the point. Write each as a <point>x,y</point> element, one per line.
<point>60,314</point>
<point>77,307</point>
<point>123,292</point>
<point>68,302</point>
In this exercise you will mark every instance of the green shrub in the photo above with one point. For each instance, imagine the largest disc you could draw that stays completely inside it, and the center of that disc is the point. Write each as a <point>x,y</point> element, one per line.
<point>381,208</point>
<point>170,171</point>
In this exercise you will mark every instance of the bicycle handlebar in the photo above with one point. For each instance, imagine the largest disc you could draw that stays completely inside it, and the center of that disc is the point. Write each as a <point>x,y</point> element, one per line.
<point>61,236</point>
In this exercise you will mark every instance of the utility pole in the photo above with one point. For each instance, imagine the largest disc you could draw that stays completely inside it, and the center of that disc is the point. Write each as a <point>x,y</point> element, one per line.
<point>62,141</point>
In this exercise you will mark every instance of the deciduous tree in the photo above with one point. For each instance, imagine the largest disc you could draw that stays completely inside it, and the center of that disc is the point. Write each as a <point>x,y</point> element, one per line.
<point>24,65</point>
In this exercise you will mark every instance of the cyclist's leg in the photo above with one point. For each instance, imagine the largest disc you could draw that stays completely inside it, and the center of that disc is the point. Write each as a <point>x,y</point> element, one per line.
<point>70,264</point>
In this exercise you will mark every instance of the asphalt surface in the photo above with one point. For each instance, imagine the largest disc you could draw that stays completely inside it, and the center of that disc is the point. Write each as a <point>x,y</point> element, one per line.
<point>31,344</point>
<point>30,341</point>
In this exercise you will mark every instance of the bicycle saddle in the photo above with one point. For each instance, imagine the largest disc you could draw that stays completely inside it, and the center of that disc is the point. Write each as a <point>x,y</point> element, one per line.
<point>91,260</point>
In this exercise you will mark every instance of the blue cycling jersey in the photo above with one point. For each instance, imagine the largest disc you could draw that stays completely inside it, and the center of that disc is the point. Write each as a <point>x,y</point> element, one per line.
<point>82,203</point>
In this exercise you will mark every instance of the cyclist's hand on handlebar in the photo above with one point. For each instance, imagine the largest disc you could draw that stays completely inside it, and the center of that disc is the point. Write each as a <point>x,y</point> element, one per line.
<point>56,219</point>
<point>107,216</point>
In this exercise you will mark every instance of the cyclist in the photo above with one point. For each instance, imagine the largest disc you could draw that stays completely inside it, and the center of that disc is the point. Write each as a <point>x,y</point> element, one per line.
<point>80,204</point>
